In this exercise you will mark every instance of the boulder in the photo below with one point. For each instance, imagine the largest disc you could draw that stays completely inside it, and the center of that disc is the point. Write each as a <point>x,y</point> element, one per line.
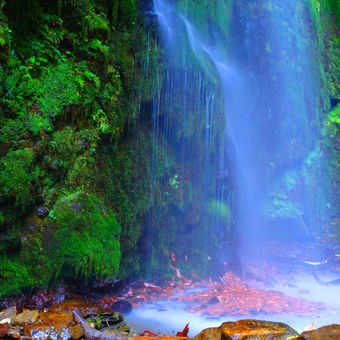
<point>25,318</point>
<point>84,309</point>
<point>248,330</point>
<point>8,313</point>
<point>51,325</point>
<point>331,332</point>
<point>76,332</point>
<point>14,333</point>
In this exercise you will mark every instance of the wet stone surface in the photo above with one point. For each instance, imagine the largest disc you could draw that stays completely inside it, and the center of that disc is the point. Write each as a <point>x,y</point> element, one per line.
<point>58,322</point>
<point>7,313</point>
<point>248,330</point>
<point>331,332</point>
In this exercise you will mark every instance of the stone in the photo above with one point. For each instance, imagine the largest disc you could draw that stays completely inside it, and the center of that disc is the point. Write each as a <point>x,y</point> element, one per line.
<point>84,309</point>
<point>159,338</point>
<point>51,324</point>
<point>77,331</point>
<point>330,332</point>
<point>4,328</point>
<point>14,333</point>
<point>25,318</point>
<point>248,330</point>
<point>7,320</point>
<point>8,313</point>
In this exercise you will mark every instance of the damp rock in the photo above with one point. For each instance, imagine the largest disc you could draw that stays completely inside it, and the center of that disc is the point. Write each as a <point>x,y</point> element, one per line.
<point>248,329</point>
<point>51,325</point>
<point>76,332</point>
<point>84,309</point>
<point>14,333</point>
<point>323,333</point>
<point>8,313</point>
<point>25,318</point>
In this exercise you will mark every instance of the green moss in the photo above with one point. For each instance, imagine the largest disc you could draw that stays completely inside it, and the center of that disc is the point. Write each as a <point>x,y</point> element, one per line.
<point>127,12</point>
<point>17,176</point>
<point>14,277</point>
<point>86,238</point>
<point>98,25</point>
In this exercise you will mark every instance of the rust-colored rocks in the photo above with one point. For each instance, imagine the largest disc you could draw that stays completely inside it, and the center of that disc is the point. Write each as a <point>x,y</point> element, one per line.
<point>159,338</point>
<point>25,318</point>
<point>51,325</point>
<point>14,333</point>
<point>83,308</point>
<point>331,332</point>
<point>248,330</point>
<point>100,318</point>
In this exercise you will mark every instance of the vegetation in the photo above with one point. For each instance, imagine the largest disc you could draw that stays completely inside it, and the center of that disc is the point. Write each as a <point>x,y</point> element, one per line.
<point>89,188</point>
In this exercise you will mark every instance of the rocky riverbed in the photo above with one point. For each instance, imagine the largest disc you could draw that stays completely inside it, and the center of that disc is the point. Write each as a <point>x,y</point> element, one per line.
<point>59,322</point>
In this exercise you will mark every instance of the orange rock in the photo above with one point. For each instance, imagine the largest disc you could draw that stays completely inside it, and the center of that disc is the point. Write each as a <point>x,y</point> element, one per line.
<point>57,321</point>
<point>248,329</point>
<point>25,318</point>
<point>159,338</point>
<point>14,333</point>
<point>325,333</point>
<point>7,313</point>
<point>76,331</point>
<point>83,308</point>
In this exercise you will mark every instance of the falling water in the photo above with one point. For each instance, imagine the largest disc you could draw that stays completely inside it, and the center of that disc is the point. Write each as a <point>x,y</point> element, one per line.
<point>268,156</point>
<point>238,105</point>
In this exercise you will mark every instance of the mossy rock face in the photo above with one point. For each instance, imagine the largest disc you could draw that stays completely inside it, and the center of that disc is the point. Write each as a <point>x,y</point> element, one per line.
<point>98,26</point>
<point>86,238</point>
<point>14,277</point>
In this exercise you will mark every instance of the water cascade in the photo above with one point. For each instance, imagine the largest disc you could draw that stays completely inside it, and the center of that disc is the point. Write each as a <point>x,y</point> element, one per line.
<point>259,55</point>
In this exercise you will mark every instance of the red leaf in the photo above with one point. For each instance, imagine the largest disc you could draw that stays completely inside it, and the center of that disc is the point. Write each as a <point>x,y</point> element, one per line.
<point>184,331</point>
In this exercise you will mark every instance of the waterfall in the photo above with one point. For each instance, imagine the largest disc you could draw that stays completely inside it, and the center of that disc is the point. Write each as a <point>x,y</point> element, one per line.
<point>242,79</point>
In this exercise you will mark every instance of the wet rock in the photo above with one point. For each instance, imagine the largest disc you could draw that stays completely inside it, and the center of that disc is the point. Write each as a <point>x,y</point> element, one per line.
<point>124,307</point>
<point>84,309</point>
<point>76,332</point>
<point>51,325</point>
<point>8,313</point>
<point>246,330</point>
<point>142,337</point>
<point>48,298</point>
<point>14,333</point>
<point>25,318</point>
<point>4,328</point>
<point>330,332</point>
<point>7,320</point>
<point>100,317</point>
